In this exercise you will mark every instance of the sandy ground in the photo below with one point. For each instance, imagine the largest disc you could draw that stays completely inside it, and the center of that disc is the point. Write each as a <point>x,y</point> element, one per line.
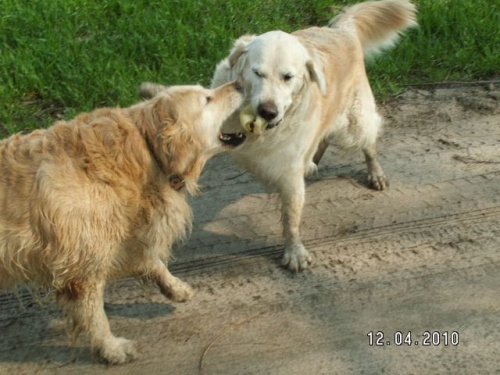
<point>421,256</point>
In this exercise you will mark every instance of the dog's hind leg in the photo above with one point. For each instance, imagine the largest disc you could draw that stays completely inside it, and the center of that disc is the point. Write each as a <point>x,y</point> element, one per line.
<point>365,120</point>
<point>376,177</point>
<point>171,287</point>
<point>83,306</point>
<point>292,190</point>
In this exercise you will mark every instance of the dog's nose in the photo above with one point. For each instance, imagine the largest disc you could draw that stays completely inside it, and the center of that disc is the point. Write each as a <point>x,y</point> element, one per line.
<point>268,111</point>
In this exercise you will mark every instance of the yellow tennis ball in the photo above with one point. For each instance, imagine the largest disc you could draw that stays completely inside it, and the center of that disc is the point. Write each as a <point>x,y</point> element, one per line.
<point>251,122</point>
<point>247,117</point>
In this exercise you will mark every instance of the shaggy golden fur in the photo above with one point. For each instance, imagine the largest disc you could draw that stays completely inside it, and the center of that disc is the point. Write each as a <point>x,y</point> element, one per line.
<point>103,196</point>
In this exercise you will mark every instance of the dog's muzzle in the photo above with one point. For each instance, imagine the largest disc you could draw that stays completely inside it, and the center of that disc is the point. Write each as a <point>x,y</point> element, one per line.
<point>272,126</point>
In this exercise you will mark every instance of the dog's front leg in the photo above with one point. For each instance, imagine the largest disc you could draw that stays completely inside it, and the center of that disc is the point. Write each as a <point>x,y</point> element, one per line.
<point>83,306</point>
<point>292,190</point>
<point>171,287</point>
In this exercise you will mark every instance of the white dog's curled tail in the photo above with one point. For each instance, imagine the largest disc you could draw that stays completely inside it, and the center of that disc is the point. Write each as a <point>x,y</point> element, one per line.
<point>377,23</point>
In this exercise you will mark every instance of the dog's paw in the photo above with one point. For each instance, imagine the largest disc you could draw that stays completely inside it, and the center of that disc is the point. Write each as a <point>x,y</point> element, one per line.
<point>378,182</point>
<point>296,258</point>
<point>180,291</point>
<point>117,350</point>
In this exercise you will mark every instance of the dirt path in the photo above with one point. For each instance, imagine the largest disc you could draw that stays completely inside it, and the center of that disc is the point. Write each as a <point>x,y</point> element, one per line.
<point>422,256</point>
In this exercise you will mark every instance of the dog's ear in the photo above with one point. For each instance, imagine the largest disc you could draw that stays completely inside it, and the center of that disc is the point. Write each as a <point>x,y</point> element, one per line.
<point>167,135</point>
<point>222,74</point>
<point>166,111</point>
<point>316,74</point>
<point>240,47</point>
<point>148,90</point>
<point>177,148</point>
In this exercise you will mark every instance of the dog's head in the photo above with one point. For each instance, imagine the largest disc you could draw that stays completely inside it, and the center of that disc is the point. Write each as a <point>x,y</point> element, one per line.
<point>274,68</point>
<point>181,124</point>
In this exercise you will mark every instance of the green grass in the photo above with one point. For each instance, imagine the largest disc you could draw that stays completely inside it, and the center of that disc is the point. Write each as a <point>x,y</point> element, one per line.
<point>61,57</point>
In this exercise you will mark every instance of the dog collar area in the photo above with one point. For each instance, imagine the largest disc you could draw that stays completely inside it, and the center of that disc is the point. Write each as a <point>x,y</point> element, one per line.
<point>176,182</point>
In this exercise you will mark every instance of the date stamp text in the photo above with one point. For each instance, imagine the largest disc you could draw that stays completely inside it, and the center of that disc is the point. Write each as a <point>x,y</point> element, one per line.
<point>427,338</point>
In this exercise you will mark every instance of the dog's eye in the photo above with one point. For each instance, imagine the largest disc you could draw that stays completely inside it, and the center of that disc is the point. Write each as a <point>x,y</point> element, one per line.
<point>287,77</point>
<point>258,73</point>
<point>209,99</point>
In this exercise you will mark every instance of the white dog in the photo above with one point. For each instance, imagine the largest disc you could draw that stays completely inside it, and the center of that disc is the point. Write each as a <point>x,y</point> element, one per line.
<point>308,88</point>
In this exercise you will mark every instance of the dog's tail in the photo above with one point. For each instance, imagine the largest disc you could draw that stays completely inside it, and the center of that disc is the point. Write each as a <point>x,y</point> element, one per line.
<point>377,23</point>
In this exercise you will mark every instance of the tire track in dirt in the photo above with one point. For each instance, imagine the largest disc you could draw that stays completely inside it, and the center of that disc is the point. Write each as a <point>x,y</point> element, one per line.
<point>361,236</point>
<point>321,228</point>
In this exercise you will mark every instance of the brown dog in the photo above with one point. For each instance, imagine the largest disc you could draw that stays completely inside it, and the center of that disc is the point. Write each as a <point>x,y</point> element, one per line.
<point>103,196</point>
